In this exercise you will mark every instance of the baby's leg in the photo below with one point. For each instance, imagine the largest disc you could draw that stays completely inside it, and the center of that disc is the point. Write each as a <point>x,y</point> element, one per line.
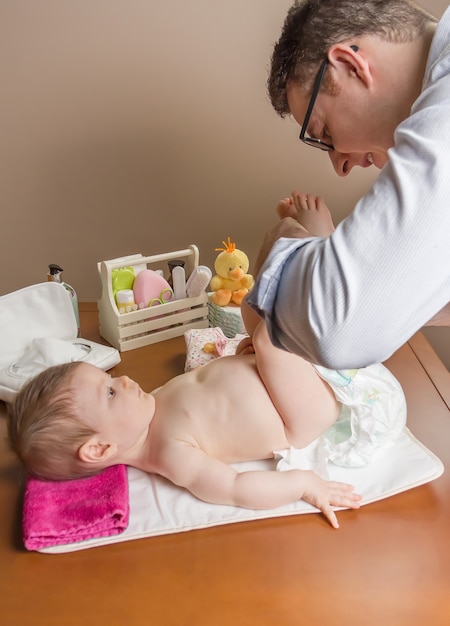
<point>305,402</point>
<point>250,318</point>
<point>312,213</point>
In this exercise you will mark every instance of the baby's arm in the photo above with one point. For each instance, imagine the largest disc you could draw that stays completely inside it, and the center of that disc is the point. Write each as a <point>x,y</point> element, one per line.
<point>213,481</point>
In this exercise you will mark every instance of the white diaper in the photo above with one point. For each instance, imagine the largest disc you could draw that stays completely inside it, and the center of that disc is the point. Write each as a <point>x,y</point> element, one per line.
<point>373,413</point>
<point>372,419</point>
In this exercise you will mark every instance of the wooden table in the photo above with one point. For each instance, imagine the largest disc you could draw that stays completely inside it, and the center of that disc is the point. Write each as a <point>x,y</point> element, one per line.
<point>389,564</point>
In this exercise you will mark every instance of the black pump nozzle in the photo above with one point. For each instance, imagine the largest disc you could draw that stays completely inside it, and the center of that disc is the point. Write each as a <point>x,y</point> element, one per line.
<point>54,269</point>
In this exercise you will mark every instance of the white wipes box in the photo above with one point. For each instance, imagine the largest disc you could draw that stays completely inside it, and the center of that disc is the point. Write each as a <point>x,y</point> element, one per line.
<point>38,329</point>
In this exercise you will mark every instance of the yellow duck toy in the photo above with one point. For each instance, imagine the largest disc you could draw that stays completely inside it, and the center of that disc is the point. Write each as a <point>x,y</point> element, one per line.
<point>231,282</point>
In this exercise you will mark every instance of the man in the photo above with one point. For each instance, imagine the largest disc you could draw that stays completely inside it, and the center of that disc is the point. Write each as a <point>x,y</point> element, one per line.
<point>369,83</point>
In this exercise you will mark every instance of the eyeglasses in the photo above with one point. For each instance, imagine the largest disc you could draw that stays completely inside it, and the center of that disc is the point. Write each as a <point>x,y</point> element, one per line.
<point>311,141</point>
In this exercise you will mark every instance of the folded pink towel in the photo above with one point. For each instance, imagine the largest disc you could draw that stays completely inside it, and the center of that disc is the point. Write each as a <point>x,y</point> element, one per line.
<point>58,513</point>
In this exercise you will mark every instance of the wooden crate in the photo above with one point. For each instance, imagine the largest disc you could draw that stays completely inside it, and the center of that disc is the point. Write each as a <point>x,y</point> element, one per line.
<point>127,331</point>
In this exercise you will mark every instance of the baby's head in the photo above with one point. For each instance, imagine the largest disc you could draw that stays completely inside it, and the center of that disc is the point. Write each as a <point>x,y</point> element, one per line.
<point>45,428</point>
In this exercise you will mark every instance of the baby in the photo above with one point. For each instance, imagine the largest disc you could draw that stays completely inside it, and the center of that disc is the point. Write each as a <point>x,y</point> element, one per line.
<point>74,420</point>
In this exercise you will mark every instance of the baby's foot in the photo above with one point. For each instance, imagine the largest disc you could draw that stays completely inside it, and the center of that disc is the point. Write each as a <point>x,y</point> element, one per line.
<point>312,213</point>
<point>286,208</point>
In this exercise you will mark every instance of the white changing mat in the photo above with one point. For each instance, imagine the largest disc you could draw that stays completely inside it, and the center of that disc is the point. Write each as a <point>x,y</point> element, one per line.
<point>157,507</point>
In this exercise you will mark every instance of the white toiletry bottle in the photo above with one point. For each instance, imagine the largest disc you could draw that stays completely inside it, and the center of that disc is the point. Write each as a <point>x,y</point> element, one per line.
<point>55,275</point>
<point>179,282</point>
<point>172,265</point>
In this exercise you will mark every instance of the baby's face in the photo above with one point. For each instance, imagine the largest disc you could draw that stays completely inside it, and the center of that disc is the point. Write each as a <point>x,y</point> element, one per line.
<point>116,408</point>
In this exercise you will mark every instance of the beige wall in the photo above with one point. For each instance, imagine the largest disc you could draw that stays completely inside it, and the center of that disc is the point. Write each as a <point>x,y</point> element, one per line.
<point>143,126</point>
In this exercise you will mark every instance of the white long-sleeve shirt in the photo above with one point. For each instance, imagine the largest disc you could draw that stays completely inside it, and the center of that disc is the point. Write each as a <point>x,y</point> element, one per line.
<point>352,299</point>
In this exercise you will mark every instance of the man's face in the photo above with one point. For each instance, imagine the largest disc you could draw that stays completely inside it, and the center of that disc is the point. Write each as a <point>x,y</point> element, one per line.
<point>345,120</point>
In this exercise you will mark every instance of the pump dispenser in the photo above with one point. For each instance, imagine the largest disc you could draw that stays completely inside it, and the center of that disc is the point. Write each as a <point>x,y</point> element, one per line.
<point>55,275</point>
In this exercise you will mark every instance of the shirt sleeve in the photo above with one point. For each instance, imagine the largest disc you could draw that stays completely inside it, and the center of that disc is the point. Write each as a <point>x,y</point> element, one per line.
<point>352,299</point>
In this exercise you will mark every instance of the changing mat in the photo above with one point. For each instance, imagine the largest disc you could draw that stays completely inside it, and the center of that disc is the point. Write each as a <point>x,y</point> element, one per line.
<point>157,507</point>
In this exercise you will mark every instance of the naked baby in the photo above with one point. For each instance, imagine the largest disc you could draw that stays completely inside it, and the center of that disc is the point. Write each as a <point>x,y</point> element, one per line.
<point>75,419</point>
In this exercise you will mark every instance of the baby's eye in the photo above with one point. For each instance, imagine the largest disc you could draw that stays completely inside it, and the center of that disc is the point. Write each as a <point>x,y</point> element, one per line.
<point>111,392</point>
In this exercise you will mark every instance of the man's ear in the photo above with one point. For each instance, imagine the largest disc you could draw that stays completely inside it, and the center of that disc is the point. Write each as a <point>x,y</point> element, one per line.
<point>345,59</point>
<point>94,451</point>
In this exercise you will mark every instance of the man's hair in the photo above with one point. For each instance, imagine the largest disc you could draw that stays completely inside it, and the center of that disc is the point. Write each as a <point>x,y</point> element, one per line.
<point>45,429</point>
<point>311,27</point>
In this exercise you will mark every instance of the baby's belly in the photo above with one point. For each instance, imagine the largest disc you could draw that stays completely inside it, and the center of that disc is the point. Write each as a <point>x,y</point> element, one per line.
<point>238,422</point>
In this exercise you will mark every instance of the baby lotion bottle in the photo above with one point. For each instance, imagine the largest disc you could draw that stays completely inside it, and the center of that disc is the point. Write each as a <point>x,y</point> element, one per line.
<point>125,301</point>
<point>55,275</point>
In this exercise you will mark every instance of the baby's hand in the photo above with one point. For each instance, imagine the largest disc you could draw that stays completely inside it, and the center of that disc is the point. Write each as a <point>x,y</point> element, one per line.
<point>245,346</point>
<point>323,494</point>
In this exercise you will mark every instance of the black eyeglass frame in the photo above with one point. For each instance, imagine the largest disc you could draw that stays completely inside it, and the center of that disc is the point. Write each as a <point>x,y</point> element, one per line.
<point>312,141</point>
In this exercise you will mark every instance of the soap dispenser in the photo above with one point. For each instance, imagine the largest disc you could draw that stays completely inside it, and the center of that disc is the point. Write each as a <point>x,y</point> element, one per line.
<point>55,275</point>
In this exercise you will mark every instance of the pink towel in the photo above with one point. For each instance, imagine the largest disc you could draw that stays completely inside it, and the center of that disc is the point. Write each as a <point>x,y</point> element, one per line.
<point>56,513</point>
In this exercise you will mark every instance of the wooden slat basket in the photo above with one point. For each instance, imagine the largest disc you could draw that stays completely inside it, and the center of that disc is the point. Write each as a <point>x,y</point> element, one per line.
<point>127,331</point>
